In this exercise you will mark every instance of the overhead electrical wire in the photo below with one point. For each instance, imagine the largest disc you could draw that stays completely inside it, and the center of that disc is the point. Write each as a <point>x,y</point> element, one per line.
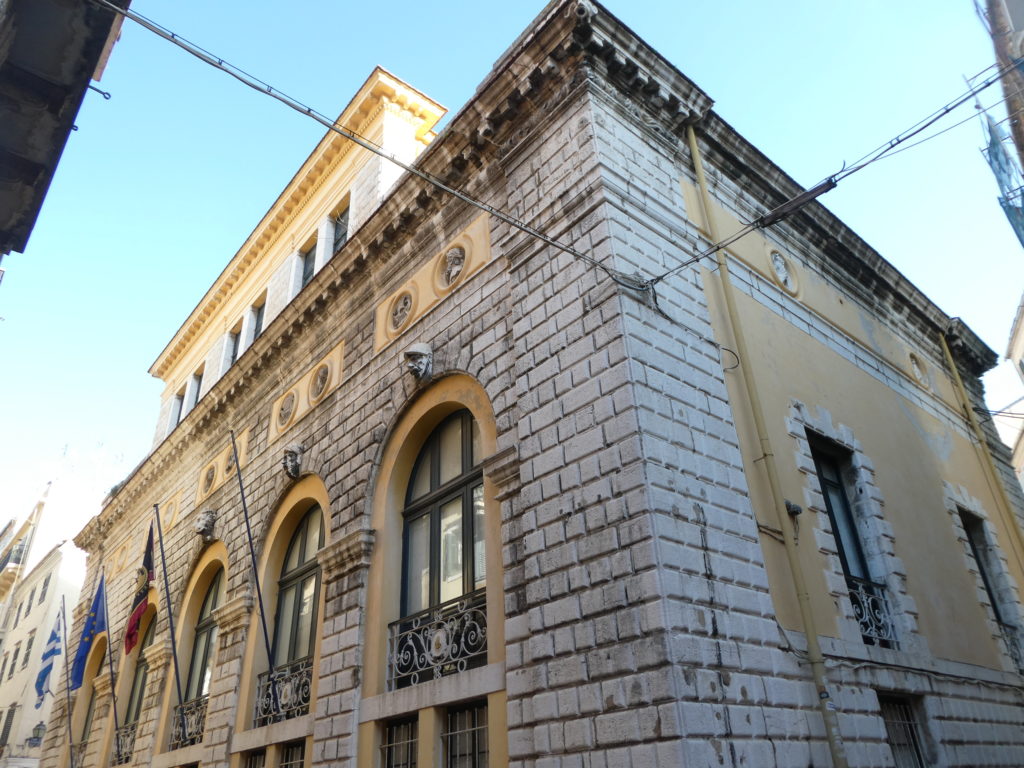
<point>799,201</point>
<point>262,87</point>
<point>780,212</point>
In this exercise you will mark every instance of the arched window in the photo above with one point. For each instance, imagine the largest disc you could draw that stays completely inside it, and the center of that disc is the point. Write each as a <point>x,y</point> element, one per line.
<point>124,743</point>
<point>190,717</point>
<point>443,530</point>
<point>284,691</point>
<point>444,569</point>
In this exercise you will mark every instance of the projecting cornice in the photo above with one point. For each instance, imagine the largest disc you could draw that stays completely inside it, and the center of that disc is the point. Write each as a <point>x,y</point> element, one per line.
<point>380,90</point>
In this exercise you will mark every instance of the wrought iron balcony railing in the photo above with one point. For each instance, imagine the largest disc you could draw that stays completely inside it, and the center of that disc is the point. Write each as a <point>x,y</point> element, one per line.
<point>124,744</point>
<point>78,754</point>
<point>1013,638</point>
<point>284,693</point>
<point>189,722</point>
<point>873,612</point>
<point>443,640</point>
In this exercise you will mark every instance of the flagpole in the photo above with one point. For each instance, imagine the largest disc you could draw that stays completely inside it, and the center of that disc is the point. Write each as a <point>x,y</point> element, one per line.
<point>170,617</point>
<point>110,660</point>
<point>67,675</point>
<point>252,557</point>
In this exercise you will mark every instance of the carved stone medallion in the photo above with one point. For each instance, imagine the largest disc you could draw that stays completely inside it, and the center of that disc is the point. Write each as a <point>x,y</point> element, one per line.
<point>286,409</point>
<point>401,310</point>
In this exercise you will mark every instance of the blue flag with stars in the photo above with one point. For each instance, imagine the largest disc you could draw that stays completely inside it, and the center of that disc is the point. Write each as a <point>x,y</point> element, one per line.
<point>51,650</point>
<point>95,623</point>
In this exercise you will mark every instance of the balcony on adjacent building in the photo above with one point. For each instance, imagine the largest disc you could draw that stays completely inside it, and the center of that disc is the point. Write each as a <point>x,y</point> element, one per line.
<point>443,640</point>
<point>873,612</point>
<point>284,692</point>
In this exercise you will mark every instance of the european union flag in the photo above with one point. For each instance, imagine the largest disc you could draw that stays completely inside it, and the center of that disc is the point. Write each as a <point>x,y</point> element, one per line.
<point>95,623</point>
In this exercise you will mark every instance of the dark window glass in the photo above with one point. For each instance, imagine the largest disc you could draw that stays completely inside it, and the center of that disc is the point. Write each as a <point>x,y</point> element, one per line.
<point>443,541</point>
<point>298,591</point>
<point>233,342</point>
<point>340,230</point>
<point>974,529</point>
<point>257,759</point>
<point>844,526</point>
<point>3,666</point>
<point>89,712</point>
<point>46,586</point>
<point>257,324</point>
<point>31,600</point>
<point>28,650</point>
<point>14,661</point>
<point>308,265</point>
<point>138,690</point>
<point>199,669</point>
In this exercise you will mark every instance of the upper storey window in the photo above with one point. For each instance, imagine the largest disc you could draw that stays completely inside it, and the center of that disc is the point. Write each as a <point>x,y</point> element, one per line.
<point>340,230</point>
<point>443,603</point>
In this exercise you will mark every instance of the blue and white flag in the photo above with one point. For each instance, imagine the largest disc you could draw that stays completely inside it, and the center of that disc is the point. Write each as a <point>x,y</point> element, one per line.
<point>51,651</point>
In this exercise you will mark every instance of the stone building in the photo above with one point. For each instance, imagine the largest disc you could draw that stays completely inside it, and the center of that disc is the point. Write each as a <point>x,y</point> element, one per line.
<point>512,505</point>
<point>32,589</point>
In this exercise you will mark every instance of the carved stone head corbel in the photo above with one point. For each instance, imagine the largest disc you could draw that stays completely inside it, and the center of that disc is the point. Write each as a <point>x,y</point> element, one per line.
<point>291,462</point>
<point>419,361</point>
<point>204,525</point>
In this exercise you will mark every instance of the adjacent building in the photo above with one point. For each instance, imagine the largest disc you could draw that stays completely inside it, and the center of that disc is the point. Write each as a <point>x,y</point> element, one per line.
<point>595,501</point>
<point>31,594</point>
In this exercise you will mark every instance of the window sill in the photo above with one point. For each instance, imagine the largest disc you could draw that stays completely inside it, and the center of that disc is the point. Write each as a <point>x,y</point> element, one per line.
<point>471,684</point>
<point>275,733</point>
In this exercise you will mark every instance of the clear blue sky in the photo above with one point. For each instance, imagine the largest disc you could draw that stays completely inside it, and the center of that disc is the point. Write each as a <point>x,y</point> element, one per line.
<point>161,184</point>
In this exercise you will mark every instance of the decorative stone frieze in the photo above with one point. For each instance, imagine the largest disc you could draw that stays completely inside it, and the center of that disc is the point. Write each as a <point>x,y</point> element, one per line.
<point>453,264</point>
<point>221,468</point>
<point>296,402</point>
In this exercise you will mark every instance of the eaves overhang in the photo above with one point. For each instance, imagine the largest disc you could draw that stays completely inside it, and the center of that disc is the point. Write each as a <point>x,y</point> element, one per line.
<point>49,52</point>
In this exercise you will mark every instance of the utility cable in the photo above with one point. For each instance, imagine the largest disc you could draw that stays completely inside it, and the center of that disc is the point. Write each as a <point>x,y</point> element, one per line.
<point>800,200</point>
<point>256,84</point>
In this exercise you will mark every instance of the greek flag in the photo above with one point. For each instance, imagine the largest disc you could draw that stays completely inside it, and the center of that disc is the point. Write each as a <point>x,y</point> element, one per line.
<point>51,650</point>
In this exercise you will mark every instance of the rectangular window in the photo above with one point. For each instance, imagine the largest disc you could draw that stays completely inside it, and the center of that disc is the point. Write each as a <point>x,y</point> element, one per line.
<point>28,649</point>
<point>903,732</point>
<point>17,614</point>
<point>14,661</point>
<point>340,230</point>
<point>308,258</point>
<point>465,737</point>
<point>197,386</point>
<point>974,529</point>
<point>869,599</point>
<point>177,406</point>
<point>31,601</point>
<point>3,665</point>
<point>257,320</point>
<point>5,734</point>
<point>46,586</point>
<point>399,747</point>
<point>293,754</point>
<point>234,341</point>
<point>257,759</point>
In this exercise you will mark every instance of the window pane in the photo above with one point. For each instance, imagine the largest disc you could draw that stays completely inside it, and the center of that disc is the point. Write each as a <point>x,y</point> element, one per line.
<point>420,483</point>
<point>479,560</point>
<point>451,550</point>
<point>313,537</point>
<point>476,458</point>
<point>451,450</point>
<point>306,612</point>
<point>197,669</point>
<point>285,613</point>
<point>417,580</point>
<point>294,555</point>
<point>846,531</point>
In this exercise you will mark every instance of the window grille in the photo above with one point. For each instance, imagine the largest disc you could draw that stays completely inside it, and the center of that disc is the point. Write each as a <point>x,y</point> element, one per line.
<point>293,754</point>
<point>902,729</point>
<point>399,747</point>
<point>465,737</point>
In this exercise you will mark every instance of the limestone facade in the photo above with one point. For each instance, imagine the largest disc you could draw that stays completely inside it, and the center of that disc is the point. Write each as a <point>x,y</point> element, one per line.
<point>628,569</point>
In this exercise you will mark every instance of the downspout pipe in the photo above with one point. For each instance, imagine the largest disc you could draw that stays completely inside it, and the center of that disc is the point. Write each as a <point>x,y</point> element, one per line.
<point>767,458</point>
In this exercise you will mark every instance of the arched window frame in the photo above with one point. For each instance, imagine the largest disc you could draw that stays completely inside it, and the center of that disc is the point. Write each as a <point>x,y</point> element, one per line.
<point>204,638</point>
<point>287,628</point>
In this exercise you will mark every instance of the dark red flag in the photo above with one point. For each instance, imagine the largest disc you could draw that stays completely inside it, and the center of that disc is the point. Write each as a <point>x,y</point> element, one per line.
<point>141,600</point>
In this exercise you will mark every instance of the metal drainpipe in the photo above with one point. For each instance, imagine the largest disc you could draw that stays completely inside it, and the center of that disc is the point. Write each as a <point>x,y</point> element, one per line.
<point>984,456</point>
<point>817,661</point>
